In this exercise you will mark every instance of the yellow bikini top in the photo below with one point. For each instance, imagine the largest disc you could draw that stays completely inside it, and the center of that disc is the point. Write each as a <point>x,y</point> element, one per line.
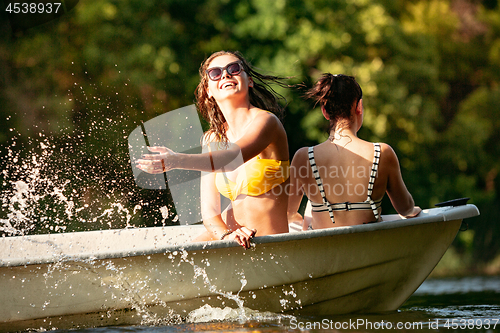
<point>258,176</point>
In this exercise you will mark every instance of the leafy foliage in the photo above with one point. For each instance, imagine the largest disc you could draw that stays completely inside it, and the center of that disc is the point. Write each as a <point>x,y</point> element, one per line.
<point>429,71</point>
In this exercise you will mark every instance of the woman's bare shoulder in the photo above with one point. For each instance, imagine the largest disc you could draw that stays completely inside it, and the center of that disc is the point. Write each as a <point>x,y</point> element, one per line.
<point>266,116</point>
<point>301,156</point>
<point>267,124</point>
<point>388,155</point>
<point>385,147</point>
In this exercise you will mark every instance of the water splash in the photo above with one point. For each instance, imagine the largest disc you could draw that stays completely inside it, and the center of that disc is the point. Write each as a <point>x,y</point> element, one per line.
<point>44,191</point>
<point>73,173</point>
<point>32,194</point>
<point>207,313</point>
<point>151,285</point>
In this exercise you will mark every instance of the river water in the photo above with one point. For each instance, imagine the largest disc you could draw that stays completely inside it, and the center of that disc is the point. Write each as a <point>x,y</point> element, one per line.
<point>465,304</point>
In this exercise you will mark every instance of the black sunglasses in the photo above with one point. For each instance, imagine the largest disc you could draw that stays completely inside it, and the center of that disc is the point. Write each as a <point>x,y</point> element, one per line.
<point>233,68</point>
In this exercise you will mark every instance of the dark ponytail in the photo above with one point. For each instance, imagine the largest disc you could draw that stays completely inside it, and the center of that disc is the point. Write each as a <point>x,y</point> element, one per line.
<point>337,94</point>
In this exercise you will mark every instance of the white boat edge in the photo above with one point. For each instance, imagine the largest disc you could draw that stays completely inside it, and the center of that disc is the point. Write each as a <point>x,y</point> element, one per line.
<point>91,279</point>
<point>177,238</point>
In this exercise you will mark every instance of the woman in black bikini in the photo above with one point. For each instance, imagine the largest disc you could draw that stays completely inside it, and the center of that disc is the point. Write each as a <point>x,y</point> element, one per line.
<point>345,177</point>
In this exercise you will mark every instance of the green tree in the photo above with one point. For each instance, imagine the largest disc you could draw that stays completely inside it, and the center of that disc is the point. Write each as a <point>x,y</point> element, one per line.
<point>74,88</point>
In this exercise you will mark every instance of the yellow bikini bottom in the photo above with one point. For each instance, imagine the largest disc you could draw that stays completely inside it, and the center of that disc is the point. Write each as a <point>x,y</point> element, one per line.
<point>257,177</point>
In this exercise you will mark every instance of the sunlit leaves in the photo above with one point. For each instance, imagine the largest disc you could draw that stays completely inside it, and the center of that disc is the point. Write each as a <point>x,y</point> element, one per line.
<point>430,17</point>
<point>264,20</point>
<point>373,20</point>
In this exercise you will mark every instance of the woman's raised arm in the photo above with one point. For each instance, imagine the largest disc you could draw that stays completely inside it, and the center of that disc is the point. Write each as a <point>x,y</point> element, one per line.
<point>263,131</point>
<point>400,197</point>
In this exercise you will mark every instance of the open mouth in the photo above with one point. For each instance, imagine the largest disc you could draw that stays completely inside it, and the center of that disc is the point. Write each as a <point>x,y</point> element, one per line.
<point>228,85</point>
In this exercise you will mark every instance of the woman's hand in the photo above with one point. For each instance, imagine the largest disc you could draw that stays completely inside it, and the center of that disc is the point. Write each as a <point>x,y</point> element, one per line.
<point>298,219</point>
<point>242,235</point>
<point>295,217</point>
<point>156,163</point>
<point>415,212</point>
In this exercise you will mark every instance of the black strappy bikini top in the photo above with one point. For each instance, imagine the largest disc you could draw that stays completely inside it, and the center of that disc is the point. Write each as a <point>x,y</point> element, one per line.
<point>368,204</point>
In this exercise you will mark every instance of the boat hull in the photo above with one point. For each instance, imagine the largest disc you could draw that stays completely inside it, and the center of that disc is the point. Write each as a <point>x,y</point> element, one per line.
<point>365,269</point>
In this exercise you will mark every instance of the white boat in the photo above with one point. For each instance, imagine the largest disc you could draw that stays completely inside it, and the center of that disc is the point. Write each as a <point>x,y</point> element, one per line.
<point>113,277</point>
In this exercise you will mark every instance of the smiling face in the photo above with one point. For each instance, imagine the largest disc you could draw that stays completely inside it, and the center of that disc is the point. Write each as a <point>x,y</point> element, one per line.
<point>228,86</point>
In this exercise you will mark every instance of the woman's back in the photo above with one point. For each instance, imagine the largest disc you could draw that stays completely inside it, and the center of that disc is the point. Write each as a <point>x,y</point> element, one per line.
<point>345,178</point>
<point>344,173</point>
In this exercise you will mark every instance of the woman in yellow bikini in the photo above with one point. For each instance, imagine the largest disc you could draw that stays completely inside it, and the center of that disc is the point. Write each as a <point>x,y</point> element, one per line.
<point>246,152</point>
<point>345,177</point>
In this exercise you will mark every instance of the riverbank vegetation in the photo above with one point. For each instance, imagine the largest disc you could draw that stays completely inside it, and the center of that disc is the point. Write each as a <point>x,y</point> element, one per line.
<point>72,90</point>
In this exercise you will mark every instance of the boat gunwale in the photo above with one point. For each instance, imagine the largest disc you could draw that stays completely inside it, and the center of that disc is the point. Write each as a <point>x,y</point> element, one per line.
<point>441,214</point>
